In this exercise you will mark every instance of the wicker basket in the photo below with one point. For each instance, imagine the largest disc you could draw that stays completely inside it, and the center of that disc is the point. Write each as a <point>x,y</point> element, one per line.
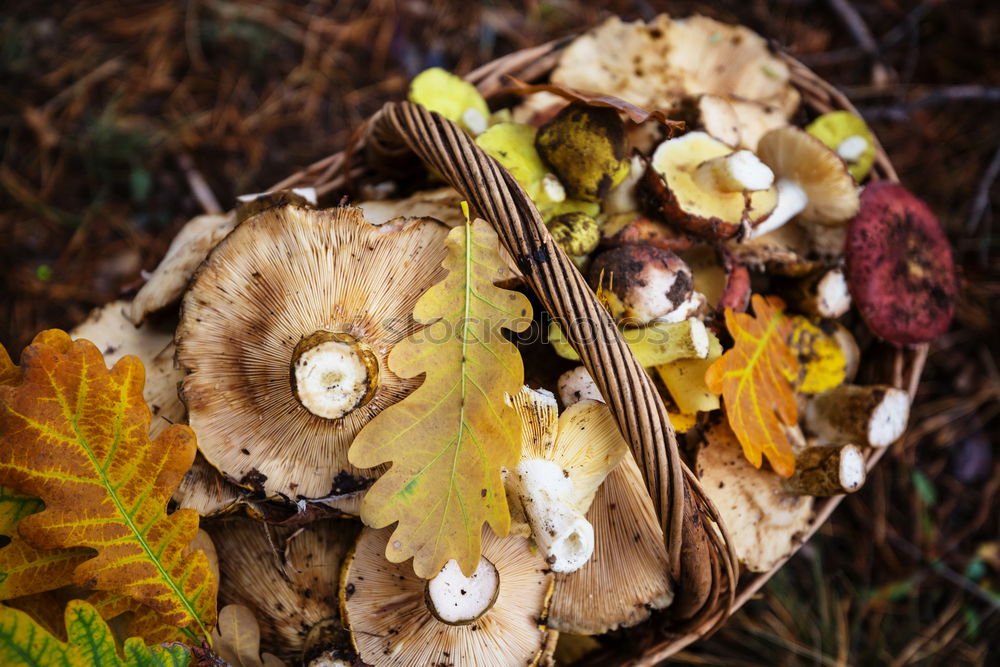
<point>709,586</point>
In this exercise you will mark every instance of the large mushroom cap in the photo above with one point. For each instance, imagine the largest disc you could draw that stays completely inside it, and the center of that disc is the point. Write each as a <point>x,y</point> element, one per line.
<point>628,574</point>
<point>385,608</point>
<point>800,158</point>
<point>900,269</point>
<point>655,65</point>
<point>678,189</point>
<point>289,579</point>
<point>285,332</point>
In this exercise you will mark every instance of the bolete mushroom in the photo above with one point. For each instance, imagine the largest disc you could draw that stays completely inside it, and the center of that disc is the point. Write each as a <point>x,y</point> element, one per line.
<point>872,415</point>
<point>290,581</point>
<point>700,184</point>
<point>398,619</point>
<point>827,471</point>
<point>899,266</point>
<point>285,333</point>
<point>564,458</point>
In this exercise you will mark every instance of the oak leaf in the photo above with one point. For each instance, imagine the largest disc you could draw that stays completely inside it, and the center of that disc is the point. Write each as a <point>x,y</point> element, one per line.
<point>450,438</point>
<point>90,642</point>
<point>76,436</point>
<point>754,378</point>
<point>822,364</point>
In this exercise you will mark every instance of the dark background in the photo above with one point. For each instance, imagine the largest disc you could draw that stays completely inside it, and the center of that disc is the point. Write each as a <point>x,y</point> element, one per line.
<point>105,107</point>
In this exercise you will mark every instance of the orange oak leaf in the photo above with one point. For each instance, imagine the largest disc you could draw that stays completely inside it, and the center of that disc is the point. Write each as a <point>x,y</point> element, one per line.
<point>754,380</point>
<point>75,435</point>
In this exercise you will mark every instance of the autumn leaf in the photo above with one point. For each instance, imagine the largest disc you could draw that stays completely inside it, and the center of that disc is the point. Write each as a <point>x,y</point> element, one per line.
<point>754,378</point>
<point>90,642</point>
<point>76,436</point>
<point>822,365</point>
<point>25,570</point>
<point>450,438</point>
<point>237,639</point>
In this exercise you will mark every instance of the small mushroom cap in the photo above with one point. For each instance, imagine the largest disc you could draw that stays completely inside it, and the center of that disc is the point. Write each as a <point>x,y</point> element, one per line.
<point>899,266</point>
<point>672,189</point>
<point>836,128</point>
<point>641,283</point>
<point>764,521</point>
<point>627,575</point>
<point>656,64</point>
<point>384,607</point>
<point>171,277</point>
<point>289,579</point>
<point>797,156</point>
<point>438,90</point>
<point>111,330</point>
<point>279,277</point>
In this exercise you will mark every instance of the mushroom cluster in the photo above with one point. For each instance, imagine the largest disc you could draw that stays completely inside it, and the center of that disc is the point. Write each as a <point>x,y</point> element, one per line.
<point>280,353</point>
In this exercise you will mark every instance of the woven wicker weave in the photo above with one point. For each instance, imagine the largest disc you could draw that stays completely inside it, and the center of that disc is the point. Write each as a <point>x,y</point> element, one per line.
<point>709,589</point>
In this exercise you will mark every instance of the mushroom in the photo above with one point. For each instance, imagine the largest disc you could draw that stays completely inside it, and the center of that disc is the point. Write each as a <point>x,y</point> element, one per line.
<point>207,491</point>
<point>813,183</point>
<point>388,609</point>
<point>628,575</point>
<point>700,184</point>
<point>563,461</point>
<point>821,294</point>
<point>872,415</point>
<point>716,273</point>
<point>642,284</point>
<point>634,228</point>
<point>827,471</point>
<point>586,147</point>
<point>658,343</point>
<point>513,146</point>
<point>737,122</point>
<point>285,333</point>
<point>685,380</point>
<point>576,385</point>
<point>576,233</point>
<point>764,521</point>
<point>656,64</point>
<point>899,266</point>
<point>290,581</point>
<point>849,137</point>
<point>821,360</point>
<point>454,98</point>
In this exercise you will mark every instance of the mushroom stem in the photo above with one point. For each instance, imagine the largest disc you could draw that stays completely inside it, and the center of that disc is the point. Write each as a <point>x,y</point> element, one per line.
<point>685,379</point>
<point>456,599</point>
<point>562,533</point>
<point>827,471</point>
<point>332,374</point>
<point>873,415</point>
<point>822,294</point>
<point>735,172</point>
<point>659,343</point>
<point>792,200</point>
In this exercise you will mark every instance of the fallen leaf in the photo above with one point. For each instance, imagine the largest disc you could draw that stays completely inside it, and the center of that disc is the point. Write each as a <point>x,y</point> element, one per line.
<point>450,438</point>
<point>754,378</point>
<point>822,364</point>
<point>237,639</point>
<point>25,570</point>
<point>24,642</point>
<point>76,436</point>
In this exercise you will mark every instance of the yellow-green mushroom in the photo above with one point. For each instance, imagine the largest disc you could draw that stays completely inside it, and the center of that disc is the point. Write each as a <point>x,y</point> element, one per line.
<point>452,97</point>
<point>849,136</point>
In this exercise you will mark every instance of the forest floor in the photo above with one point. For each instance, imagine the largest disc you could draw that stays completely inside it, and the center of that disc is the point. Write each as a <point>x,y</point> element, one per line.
<point>107,107</point>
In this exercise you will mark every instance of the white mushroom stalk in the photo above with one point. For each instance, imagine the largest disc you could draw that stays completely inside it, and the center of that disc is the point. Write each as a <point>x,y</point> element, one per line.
<point>735,172</point>
<point>475,121</point>
<point>561,531</point>
<point>792,200</point>
<point>332,374</point>
<point>827,471</point>
<point>456,599</point>
<point>563,462</point>
<point>872,415</point>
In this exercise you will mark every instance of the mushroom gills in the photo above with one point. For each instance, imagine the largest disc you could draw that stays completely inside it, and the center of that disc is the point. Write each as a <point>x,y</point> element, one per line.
<point>456,599</point>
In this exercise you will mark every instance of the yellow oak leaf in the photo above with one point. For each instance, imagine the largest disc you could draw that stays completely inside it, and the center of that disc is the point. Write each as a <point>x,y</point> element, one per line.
<point>75,435</point>
<point>754,378</point>
<point>449,439</point>
<point>89,642</point>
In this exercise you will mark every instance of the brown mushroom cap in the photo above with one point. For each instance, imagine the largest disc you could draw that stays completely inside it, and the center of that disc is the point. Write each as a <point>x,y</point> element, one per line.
<point>627,575</point>
<point>275,281</point>
<point>672,189</point>
<point>640,282</point>
<point>384,607</point>
<point>290,581</point>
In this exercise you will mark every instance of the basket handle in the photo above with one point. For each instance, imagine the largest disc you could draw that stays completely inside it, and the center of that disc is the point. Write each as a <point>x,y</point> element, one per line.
<point>692,545</point>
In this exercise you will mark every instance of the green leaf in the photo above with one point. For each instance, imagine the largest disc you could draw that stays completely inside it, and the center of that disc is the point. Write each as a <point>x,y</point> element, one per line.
<point>24,642</point>
<point>450,439</point>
